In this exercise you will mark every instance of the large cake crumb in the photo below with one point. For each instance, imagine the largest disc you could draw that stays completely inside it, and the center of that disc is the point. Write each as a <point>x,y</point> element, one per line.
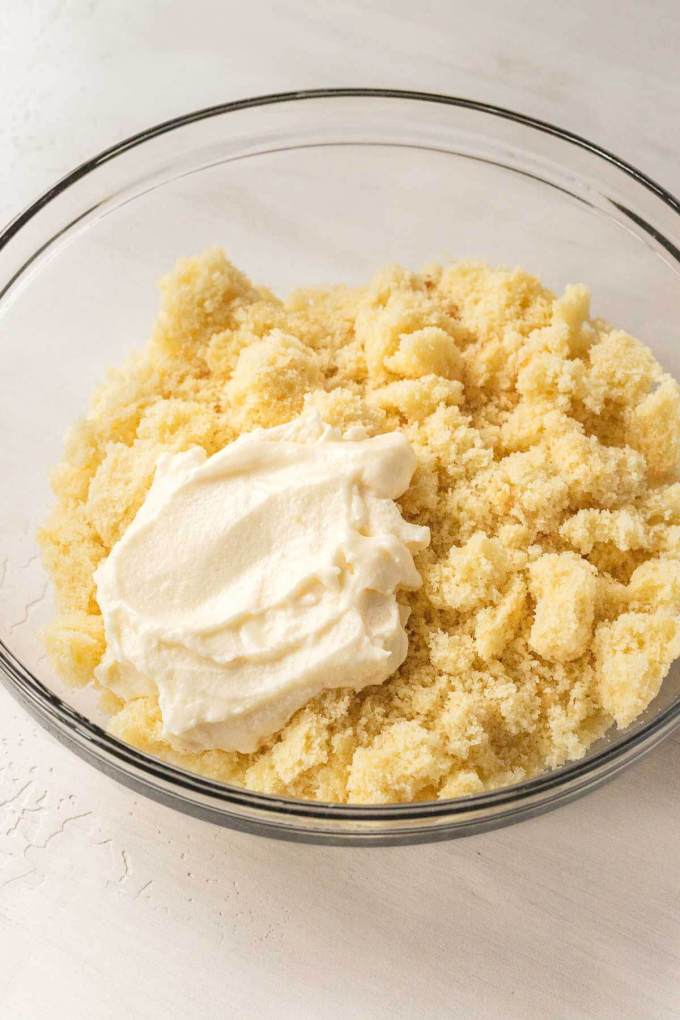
<point>548,448</point>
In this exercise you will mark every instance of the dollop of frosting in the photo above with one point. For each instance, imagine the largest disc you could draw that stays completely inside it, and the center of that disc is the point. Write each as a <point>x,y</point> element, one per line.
<point>252,580</point>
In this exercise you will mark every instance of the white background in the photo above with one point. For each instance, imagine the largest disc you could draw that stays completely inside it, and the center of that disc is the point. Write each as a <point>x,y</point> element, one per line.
<point>111,906</point>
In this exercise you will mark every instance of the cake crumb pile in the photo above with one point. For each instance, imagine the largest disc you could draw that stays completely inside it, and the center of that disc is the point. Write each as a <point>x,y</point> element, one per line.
<point>548,447</point>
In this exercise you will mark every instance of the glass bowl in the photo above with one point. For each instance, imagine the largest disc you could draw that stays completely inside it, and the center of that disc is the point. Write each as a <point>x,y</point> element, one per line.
<point>302,188</point>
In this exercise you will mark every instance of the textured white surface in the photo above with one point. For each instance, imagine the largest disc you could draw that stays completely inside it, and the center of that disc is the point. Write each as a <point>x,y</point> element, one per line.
<point>113,906</point>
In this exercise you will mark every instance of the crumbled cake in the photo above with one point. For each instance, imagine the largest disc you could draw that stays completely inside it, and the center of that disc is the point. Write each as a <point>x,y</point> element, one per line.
<point>548,447</point>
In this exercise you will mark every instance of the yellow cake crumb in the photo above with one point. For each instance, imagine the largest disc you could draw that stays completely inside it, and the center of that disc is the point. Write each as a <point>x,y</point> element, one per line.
<point>564,587</point>
<point>633,654</point>
<point>548,448</point>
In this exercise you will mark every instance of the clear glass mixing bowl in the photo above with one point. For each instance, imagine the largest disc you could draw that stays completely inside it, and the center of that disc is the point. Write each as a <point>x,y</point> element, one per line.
<point>309,187</point>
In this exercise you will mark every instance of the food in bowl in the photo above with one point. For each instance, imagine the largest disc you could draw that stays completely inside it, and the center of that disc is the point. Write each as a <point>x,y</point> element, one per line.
<point>529,515</point>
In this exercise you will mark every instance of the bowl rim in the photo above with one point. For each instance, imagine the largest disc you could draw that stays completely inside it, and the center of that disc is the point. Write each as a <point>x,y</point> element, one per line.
<point>48,707</point>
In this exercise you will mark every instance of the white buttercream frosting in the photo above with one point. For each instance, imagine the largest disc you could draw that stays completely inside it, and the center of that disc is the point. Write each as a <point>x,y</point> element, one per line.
<point>252,580</point>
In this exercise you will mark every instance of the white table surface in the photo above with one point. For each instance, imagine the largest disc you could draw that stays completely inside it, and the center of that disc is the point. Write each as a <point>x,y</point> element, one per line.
<point>112,906</point>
